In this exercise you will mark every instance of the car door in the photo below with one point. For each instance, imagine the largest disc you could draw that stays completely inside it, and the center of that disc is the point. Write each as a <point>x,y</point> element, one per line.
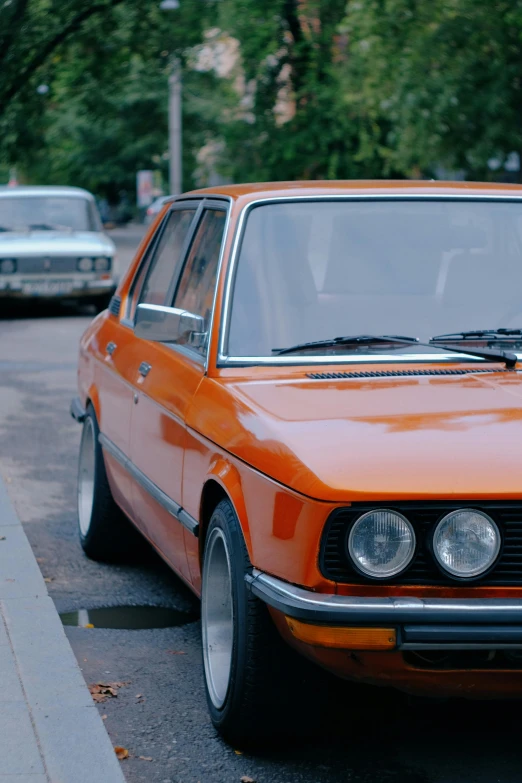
<point>170,375</point>
<point>116,371</point>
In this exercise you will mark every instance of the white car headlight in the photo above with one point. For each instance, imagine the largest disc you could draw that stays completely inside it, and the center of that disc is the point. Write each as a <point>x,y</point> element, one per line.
<point>381,543</point>
<point>85,264</point>
<point>466,543</point>
<point>8,266</point>
<point>102,264</point>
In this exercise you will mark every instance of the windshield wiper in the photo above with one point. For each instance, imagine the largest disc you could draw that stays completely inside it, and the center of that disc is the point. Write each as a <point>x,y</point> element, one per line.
<point>479,334</point>
<point>357,339</point>
<point>506,357</point>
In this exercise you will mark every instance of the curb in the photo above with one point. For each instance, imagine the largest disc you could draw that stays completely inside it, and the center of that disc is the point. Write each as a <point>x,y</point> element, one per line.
<point>50,729</point>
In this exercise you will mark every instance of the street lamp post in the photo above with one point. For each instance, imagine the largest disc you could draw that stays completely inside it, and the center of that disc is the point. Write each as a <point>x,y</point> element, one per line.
<point>175,128</point>
<point>175,123</point>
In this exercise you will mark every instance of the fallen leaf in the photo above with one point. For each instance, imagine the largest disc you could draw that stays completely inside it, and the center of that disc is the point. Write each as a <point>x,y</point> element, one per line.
<point>122,753</point>
<point>246,779</point>
<point>176,652</point>
<point>238,752</point>
<point>2,538</point>
<point>145,758</point>
<point>40,559</point>
<point>138,695</point>
<point>48,578</point>
<point>88,625</point>
<point>100,691</point>
<point>9,580</point>
<point>104,717</point>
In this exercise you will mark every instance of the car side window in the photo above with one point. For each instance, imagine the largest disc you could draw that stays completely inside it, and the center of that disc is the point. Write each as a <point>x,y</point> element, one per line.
<point>195,291</point>
<point>167,259</point>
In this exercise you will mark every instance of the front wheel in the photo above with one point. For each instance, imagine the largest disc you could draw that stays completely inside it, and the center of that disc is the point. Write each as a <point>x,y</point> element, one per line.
<point>244,657</point>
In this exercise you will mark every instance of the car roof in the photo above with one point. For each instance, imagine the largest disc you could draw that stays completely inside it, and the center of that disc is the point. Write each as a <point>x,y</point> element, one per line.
<point>262,190</point>
<point>44,190</point>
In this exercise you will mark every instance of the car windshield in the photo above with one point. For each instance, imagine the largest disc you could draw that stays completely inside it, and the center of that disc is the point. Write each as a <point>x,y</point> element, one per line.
<point>47,213</point>
<point>316,269</point>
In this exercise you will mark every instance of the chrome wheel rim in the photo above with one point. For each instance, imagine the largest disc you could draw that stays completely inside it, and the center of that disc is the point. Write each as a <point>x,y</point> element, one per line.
<point>86,477</point>
<point>217,617</point>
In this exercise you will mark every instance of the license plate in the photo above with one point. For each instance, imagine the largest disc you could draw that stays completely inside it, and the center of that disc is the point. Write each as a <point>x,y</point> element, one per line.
<point>47,287</point>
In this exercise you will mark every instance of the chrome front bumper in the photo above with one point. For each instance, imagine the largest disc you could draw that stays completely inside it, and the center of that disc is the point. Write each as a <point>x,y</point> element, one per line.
<point>421,623</point>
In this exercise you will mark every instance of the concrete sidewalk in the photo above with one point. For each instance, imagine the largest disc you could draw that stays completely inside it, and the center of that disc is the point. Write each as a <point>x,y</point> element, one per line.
<point>50,729</point>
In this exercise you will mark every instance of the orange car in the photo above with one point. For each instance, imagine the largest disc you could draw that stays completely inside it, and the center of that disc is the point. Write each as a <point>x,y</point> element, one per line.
<point>306,396</point>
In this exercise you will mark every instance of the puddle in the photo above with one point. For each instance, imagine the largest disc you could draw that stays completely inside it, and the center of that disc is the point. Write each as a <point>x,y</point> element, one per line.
<point>127,617</point>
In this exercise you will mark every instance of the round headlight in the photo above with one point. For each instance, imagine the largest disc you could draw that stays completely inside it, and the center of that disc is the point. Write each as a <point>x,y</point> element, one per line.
<point>8,266</point>
<point>102,264</point>
<point>85,264</point>
<point>381,543</point>
<point>466,543</point>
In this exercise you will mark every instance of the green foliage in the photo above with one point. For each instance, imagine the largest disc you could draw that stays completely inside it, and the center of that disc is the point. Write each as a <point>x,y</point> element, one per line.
<point>436,82</point>
<point>105,113</point>
<point>289,52</point>
<point>272,89</point>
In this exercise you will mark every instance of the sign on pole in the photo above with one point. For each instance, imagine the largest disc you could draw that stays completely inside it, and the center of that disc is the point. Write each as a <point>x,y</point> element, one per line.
<point>145,188</point>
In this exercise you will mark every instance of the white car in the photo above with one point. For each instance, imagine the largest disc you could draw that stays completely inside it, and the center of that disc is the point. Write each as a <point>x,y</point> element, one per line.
<point>52,245</point>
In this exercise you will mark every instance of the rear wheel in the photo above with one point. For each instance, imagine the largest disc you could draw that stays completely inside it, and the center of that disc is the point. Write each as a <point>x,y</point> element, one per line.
<point>105,532</point>
<point>243,655</point>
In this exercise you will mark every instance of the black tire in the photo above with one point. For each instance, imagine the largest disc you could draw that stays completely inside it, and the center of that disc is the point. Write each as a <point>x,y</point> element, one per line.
<point>105,532</point>
<point>257,696</point>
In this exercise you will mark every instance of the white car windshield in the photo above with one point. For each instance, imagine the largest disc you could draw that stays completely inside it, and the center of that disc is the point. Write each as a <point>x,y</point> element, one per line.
<point>312,270</point>
<point>47,213</point>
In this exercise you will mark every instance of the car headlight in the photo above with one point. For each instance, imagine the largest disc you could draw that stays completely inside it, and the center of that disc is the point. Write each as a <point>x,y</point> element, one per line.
<point>8,266</point>
<point>102,264</point>
<point>381,543</point>
<point>85,264</point>
<point>466,543</point>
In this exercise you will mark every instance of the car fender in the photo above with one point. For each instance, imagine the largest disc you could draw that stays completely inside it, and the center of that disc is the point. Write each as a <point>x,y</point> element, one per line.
<point>224,473</point>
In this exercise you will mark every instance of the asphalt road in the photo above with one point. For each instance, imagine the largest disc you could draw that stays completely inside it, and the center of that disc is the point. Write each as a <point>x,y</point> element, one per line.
<point>364,736</point>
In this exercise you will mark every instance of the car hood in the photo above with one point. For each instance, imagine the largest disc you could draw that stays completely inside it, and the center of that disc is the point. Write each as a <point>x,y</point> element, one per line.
<point>376,439</point>
<point>55,243</point>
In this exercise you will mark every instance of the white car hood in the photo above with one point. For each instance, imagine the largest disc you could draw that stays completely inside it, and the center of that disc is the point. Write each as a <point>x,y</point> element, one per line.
<point>55,243</point>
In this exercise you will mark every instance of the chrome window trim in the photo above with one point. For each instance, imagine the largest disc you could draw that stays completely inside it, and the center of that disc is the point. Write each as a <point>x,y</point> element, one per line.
<point>151,249</point>
<point>219,202</point>
<point>174,509</point>
<point>223,360</point>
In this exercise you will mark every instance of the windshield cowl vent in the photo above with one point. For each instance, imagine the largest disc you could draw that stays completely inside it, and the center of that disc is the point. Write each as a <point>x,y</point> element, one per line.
<point>395,373</point>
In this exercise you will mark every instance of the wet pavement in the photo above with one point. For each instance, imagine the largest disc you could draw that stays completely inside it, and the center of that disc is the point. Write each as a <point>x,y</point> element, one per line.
<point>361,735</point>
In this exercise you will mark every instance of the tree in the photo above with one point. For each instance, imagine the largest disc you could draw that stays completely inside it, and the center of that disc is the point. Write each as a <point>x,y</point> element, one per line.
<point>105,113</point>
<point>286,117</point>
<point>436,82</point>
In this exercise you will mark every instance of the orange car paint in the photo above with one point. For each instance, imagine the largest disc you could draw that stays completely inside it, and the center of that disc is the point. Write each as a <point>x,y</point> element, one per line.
<point>254,433</point>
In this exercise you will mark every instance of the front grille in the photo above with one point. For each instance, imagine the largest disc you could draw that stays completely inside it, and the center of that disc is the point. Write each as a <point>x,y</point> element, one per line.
<point>335,565</point>
<point>46,265</point>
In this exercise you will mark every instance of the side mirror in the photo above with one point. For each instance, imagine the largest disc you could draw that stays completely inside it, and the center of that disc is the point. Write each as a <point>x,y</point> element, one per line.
<point>169,325</point>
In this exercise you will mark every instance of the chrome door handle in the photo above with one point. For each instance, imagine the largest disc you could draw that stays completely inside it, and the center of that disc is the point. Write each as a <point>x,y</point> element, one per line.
<point>144,369</point>
<point>110,348</point>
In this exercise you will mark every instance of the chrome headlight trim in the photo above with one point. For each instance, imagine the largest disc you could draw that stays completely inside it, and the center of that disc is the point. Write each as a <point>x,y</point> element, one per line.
<point>479,570</point>
<point>85,264</point>
<point>392,572</point>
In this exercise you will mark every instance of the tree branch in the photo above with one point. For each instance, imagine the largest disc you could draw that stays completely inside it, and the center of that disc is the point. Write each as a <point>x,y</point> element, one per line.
<point>38,60</point>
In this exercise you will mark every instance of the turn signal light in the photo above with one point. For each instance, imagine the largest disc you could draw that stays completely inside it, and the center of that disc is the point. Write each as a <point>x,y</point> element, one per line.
<point>344,638</point>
